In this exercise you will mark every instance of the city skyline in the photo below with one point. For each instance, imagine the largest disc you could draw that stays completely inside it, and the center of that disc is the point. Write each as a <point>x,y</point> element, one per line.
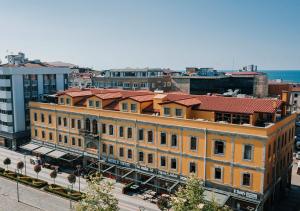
<point>170,34</point>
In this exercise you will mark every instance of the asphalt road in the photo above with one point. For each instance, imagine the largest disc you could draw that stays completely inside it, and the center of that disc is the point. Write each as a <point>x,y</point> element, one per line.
<point>40,200</point>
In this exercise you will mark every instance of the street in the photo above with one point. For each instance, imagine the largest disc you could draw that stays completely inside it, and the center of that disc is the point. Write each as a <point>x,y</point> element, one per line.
<point>39,200</point>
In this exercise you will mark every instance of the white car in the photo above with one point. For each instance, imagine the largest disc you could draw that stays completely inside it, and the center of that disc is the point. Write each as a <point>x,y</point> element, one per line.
<point>298,155</point>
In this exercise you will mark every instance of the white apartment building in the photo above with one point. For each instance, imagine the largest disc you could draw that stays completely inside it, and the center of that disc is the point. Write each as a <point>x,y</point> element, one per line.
<point>295,99</point>
<point>22,81</point>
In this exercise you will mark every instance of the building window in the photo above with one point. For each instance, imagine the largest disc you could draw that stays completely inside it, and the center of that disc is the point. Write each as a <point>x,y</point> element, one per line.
<point>121,152</point>
<point>79,142</point>
<point>97,104</point>
<point>66,139</point>
<point>129,154</point>
<point>133,107</point>
<point>43,134</point>
<point>124,107</point>
<point>150,136</point>
<point>248,152</point>
<point>68,102</point>
<point>42,118</point>
<point>219,147</point>
<point>111,150</point>
<point>129,132</point>
<point>91,103</point>
<point>167,111</point>
<point>192,167</point>
<point>59,120</point>
<point>193,143</point>
<point>295,95</point>
<point>62,101</point>
<point>59,138</point>
<point>163,138</point>
<point>218,173</point>
<point>65,122</point>
<point>178,112</point>
<point>150,158</point>
<point>50,136</point>
<point>141,156</point>
<point>163,161</point>
<point>35,132</point>
<point>73,123</point>
<point>111,130</point>
<point>141,135</point>
<point>73,141</point>
<point>246,179</point>
<point>173,163</point>
<point>35,117</point>
<point>49,119</point>
<point>121,131</point>
<point>104,148</point>
<point>174,140</point>
<point>104,128</point>
<point>78,124</point>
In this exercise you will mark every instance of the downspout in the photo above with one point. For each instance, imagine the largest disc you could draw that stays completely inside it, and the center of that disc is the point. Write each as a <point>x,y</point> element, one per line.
<point>205,154</point>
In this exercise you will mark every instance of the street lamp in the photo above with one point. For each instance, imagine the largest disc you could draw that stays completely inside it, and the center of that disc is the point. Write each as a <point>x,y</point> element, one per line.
<point>18,196</point>
<point>69,193</point>
<point>78,174</point>
<point>25,164</point>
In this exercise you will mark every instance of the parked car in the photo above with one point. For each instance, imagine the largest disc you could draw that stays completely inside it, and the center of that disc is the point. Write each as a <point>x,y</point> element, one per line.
<point>298,155</point>
<point>35,161</point>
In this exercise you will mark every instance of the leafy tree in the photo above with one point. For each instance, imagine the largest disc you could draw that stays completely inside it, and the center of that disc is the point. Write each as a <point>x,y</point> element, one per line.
<point>53,175</point>
<point>7,162</point>
<point>98,197</point>
<point>72,179</point>
<point>20,165</point>
<point>164,203</point>
<point>191,197</point>
<point>37,168</point>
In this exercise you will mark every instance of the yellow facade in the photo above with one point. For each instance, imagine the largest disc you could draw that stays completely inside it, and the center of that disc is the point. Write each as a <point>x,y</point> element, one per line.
<point>188,142</point>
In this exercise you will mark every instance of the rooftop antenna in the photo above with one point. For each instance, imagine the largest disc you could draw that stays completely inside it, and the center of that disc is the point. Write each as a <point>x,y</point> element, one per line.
<point>233,64</point>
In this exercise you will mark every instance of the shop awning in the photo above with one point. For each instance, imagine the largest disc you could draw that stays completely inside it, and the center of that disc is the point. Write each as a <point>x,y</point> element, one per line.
<point>219,198</point>
<point>30,146</point>
<point>56,154</point>
<point>43,150</point>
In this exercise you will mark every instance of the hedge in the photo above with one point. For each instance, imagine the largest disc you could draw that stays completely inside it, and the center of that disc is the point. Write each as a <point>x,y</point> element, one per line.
<point>62,191</point>
<point>33,182</point>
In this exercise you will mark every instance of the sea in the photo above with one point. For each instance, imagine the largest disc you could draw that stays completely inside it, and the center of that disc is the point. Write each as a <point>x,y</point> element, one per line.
<point>292,76</point>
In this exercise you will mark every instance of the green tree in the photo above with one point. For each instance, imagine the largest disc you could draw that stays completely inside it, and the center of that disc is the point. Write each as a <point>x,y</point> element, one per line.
<point>53,175</point>
<point>20,166</point>
<point>7,162</point>
<point>37,168</point>
<point>98,197</point>
<point>191,197</point>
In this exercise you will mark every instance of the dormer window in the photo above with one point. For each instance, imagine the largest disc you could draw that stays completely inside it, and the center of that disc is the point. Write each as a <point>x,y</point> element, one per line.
<point>133,107</point>
<point>62,100</point>
<point>68,101</point>
<point>178,112</point>
<point>167,111</point>
<point>91,103</point>
<point>124,107</point>
<point>97,102</point>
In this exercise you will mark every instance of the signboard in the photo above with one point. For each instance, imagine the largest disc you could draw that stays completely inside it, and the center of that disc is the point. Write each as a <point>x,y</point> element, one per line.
<point>246,194</point>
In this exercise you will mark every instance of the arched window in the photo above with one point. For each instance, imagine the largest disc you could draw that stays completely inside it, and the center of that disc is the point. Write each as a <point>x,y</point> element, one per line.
<point>88,125</point>
<point>95,126</point>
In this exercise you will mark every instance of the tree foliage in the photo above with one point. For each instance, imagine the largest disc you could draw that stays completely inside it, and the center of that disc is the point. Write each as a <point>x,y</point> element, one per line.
<point>72,178</point>
<point>7,162</point>
<point>98,197</point>
<point>191,198</point>
<point>53,175</point>
<point>37,168</point>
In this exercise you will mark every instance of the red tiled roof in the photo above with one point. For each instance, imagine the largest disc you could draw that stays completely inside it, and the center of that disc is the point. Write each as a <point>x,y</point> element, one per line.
<point>142,98</point>
<point>238,105</point>
<point>112,106</point>
<point>191,101</point>
<point>296,89</point>
<point>106,96</point>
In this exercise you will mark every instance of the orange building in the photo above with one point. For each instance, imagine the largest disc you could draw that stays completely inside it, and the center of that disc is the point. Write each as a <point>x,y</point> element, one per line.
<point>240,147</point>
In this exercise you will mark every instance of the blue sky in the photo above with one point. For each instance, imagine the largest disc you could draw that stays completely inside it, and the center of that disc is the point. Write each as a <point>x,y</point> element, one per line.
<point>224,34</point>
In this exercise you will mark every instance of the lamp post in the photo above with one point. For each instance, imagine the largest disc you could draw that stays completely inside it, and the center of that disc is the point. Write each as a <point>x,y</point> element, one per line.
<point>18,196</point>
<point>25,164</point>
<point>69,193</point>
<point>78,173</point>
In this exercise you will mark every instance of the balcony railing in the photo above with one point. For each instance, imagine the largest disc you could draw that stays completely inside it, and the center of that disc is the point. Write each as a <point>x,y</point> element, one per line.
<point>89,134</point>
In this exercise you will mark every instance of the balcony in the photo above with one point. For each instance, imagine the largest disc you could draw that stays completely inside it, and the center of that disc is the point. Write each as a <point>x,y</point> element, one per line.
<point>89,134</point>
